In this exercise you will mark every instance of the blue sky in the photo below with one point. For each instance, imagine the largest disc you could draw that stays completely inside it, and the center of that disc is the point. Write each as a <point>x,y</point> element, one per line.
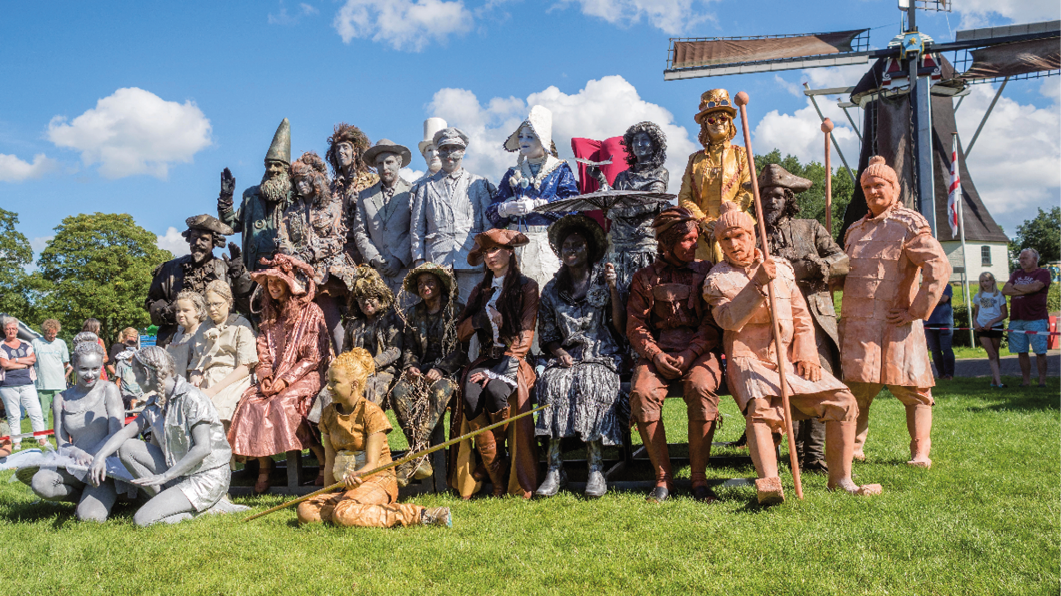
<point>137,106</point>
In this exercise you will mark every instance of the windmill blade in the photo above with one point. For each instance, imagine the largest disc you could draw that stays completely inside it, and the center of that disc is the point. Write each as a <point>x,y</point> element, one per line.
<point>1022,51</point>
<point>716,56</point>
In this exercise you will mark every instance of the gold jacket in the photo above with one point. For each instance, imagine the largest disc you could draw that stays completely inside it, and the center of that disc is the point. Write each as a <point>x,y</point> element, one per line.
<point>714,174</point>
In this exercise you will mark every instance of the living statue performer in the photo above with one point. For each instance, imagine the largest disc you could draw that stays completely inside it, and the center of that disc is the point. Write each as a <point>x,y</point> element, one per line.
<point>717,173</point>
<point>293,353</point>
<point>184,468</point>
<point>580,315</point>
<point>262,206</point>
<point>449,210</point>
<point>312,229</point>
<point>815,259</point>
<point>671,329</point>
<point>501,315</point>
<point>374,326</point>
<point>193,271</point>
<point>538,177</point>
<point>381,223</point>
<point>354,431</point>
<point>351,174</point>
<point>736,290</point>
<point>85,415</point>
<point>633,245</point>
<point>431,359</point>
<point>228,353</point>
<point>897,274</point>
<point>184,348</point>
<point>428,149</point>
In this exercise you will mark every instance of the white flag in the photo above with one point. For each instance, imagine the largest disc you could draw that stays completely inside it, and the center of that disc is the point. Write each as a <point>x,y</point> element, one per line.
<point>955,194</point>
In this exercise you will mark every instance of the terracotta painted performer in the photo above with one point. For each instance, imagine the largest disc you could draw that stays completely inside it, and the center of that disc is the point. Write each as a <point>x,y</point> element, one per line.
<point>293,351</point>
<point>716,174</point>
<point>381,223</point>
<point>670,327</point>
<point>374,326</point>
<point>313,230</point>
<point>816,259</point>
<point>539,177</point>
<point>85,415</point>
<point>432,358</point>
<point>633,245</point>
<point>193,271</point>
<point>351,174</point>
<point>429,151</point>
<point>185,466</point>
<point>500,315</point>
<point>262,207</point>
<point>354,431</point>
<point>897,275</point>
<point>449,210</point>
<point>736,290</point>
<point>184,348</point>
<point>228,353</point>
<point>579,318</point>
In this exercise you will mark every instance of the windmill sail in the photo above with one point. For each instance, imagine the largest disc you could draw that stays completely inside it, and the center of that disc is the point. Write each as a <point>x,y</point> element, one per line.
<point>714,56</point>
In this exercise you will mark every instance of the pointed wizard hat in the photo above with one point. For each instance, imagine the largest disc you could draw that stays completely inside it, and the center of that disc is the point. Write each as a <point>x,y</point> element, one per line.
<point>541,122</point>
<point>280,150</point>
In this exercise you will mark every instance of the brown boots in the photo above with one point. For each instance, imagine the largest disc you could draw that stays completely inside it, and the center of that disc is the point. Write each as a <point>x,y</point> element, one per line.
<point>491,447</point>
<point>701,433</point>
<point>654,436</point>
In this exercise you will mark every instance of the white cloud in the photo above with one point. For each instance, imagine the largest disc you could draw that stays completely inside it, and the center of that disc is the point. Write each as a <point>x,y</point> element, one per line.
<point>40,243</point>
<point>604,108</point>
<point>403,24</point>
<point>308,9</point>
<point>410,175</point>
<point>1051,89</point>
<point>134,132</point>
<point>670,16</point>
<point>13,169</point>
<point>979,13</point>
<point>284,18</point>
<point>173,242</point>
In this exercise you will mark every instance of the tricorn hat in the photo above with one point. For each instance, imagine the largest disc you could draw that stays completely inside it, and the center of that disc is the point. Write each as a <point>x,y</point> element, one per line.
<point>444,275</point>
<point>491,238</point>
<point>280,149</point>
<point>431,126</point>
<point>595,237</point>
<point>775,175</point>
<point>388,146</point>
<point>208,223</point>
<point>715,100</point>
<point>540,120</point>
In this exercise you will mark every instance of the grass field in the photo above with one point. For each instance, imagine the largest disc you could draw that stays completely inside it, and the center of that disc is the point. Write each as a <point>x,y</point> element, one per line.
<point>983,520</point>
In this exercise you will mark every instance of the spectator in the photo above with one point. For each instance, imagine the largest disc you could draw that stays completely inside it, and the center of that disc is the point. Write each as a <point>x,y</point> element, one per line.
<point>17,359</point>
<point>989,310</point>
<point>121,368</point>
<point>127,340</point>
<point>53,364</point>
<point>1027,288</point>
<point>940,335</point>
<point>93,326</point>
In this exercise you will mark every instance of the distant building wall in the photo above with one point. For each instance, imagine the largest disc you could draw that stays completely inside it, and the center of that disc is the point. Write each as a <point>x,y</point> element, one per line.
<point>976,253</point>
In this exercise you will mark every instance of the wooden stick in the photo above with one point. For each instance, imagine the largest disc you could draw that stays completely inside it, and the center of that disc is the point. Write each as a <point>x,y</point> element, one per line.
<point>741,101</point>
<point>393,464</point>
<point>827,128</point>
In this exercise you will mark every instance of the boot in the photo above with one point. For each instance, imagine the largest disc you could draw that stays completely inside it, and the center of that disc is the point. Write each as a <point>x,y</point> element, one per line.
<point>555,477</point>
<point>487,446</point>
<point>437,516</point>
<point>701,433</point>
<point>596,485</point>
<point>654,436</point>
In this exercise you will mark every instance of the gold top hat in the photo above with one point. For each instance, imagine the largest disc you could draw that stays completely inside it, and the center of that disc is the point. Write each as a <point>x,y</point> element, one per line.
<point>715,100</point>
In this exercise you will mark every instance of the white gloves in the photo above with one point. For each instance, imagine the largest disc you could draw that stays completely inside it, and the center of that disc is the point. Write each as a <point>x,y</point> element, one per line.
<point>518,207</point>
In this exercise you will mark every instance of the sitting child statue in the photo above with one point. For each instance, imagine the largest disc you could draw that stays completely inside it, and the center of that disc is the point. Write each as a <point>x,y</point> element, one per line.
<point>374,326</point>
<point>354,431</point>
<point>184,468</point>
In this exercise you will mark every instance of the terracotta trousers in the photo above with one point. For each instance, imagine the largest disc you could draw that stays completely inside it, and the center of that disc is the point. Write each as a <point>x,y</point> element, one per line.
<point>911,397</point>
<point>699,388</point>
<point>369,505</point>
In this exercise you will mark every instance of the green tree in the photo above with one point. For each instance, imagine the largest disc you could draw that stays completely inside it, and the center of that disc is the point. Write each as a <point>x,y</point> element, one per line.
<point>15,256</point>
<point>812,202</point>
<point>98,266</point>
<point>1043,233</point>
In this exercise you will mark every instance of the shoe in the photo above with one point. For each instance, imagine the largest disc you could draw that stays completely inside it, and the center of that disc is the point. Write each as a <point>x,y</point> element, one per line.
<point>424,470</point>
<point>769,491</point>
<point>437,516</point>
<point>815,466</point>
<point>1000,385</point>
<point>658,495</point>
<point>596,484</point>
<point>704,494</point>
<point>263,484</point>
<point>555,477</point>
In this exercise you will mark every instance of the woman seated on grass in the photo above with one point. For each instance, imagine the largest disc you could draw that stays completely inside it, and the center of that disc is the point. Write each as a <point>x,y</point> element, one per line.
<point>354,431</point>
<point>989,313</point>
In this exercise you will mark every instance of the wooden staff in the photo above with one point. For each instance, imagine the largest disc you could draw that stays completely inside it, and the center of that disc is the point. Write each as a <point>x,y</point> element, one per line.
<point>741,101</point>
<point>827,128</point>
<point>393,464</point>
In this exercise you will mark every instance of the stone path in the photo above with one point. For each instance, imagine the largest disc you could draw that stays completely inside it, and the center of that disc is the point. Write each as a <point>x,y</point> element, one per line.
<point>978,367</point>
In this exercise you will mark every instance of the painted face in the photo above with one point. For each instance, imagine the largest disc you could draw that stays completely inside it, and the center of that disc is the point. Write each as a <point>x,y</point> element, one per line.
<point>431,158</point>
<point>50,333</point>
<point>278,289</point>
<point>88,369</point>
<point>186,315</point>
<point>529,143</point>
<point>388,165</point>
<point>1027,260</point>
<point>200,244</point>
<point>684,249</point>
<point>774,201</point>
<point>451,157</point>
<point>428,286</point>
<point>718,126</point>
<point>643,146</point>
<point>304,185</point>
<point>496,259</point>
<point>369,306</point>
<point>344,388</point>
<point>217,307</point>
<point>11,331</point>
<point>574,251</point>
<point>880,194</point>
<point>344,154</point>
<point>142,375</point>
<point>274,168</point>
<point>738,244</point>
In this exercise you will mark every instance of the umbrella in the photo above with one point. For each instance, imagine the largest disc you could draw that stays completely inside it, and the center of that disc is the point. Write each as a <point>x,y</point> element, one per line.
<point>604,200</point>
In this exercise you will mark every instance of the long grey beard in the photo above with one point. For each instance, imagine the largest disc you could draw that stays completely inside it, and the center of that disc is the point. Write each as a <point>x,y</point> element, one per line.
<point>276,190</point>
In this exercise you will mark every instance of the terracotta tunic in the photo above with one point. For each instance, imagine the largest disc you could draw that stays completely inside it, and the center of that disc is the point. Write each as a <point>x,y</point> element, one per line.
<point>713,175</point>
<point>889,255</point>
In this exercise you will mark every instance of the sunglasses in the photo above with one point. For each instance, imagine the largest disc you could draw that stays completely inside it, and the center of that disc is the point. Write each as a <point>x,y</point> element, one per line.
<point>724,102</point>
<point>720,119</point>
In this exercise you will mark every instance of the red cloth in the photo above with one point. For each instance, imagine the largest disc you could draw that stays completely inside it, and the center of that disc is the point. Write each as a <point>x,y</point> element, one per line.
<point>1029,307</point>
<point>594,150</point>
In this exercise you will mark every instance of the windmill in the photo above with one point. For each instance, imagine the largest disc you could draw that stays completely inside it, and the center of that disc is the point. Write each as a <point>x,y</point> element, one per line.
<point>910,79</point>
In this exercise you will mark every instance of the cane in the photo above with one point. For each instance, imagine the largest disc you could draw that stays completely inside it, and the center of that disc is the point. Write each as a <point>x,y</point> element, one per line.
<point>827,128</point>
<point>742,100</point>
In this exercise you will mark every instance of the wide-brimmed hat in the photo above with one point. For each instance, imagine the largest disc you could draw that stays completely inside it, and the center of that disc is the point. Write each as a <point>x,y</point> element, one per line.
<point>431,126</point>
<point>540,120</point>
<point>596,239</point>
<point>451,136</point>
<point>387,146</point>
<point>444,275</point>
<point>774,175</point>
<point>491,238</point>
<point>208,223</point>
<point>296,274</point>
<point>715,100</point>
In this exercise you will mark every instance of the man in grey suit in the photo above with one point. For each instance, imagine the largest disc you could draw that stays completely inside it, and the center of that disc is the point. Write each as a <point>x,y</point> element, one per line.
<point>449,209</point>
<point>381,225</point>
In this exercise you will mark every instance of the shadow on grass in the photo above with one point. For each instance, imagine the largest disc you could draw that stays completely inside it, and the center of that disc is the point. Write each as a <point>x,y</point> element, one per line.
<point>1028,399</point>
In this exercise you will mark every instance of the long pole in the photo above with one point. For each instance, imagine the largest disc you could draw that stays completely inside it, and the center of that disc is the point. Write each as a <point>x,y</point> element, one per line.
<point>827,128</point>
<point>961,226</point>
<point>741,101</point>
<point>850,173</point>
<point>393,464</point>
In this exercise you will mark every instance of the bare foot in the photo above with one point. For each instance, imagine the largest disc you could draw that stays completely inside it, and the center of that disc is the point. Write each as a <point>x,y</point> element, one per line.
<point>858,456</point>
<point>920,463</point>
<point>866,490</point>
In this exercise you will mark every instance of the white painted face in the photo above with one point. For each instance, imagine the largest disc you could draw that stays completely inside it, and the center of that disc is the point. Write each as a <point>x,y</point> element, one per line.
<point>431,158</point>
<point>388,165</point>
<point>217,307</point>
<point>88,369</point>
<point>530,145</point>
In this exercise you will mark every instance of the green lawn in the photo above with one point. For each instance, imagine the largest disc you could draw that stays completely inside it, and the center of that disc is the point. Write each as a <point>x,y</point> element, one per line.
<point>983,520</point>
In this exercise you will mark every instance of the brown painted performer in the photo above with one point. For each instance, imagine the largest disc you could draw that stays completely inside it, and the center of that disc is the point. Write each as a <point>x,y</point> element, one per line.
<point>736,291</point>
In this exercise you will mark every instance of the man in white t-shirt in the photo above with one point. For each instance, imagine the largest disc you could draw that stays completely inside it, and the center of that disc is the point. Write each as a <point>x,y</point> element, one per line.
<point>53,364</point>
